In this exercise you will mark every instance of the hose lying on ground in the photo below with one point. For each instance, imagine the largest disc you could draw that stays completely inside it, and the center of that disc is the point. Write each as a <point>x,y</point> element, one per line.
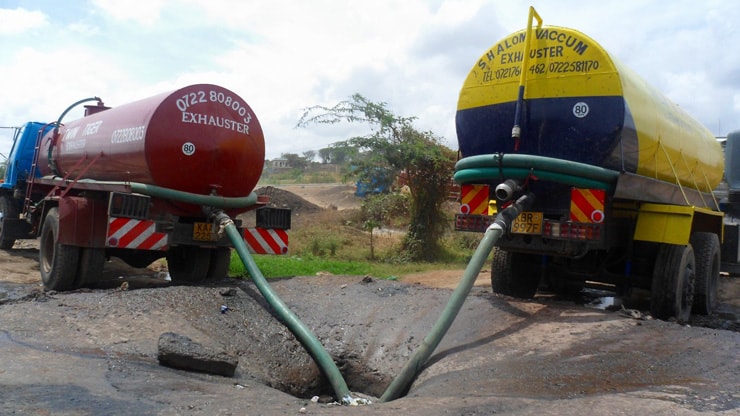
<point>298,328</point>
<point>409,372</point>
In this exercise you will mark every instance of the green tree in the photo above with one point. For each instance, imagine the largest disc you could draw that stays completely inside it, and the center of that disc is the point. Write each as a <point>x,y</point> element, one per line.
<point>338,154</point>
<point>309,155</point>
<point>395,145</point>
<point>295,160</point>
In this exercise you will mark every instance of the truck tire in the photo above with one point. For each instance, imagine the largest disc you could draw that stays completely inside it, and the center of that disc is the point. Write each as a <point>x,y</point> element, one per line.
<point>58,262</point>
<point>515,274</point>
<point>8,210</point>
<point>707,253</point>
<point>218,267</point>
<point>672,291</point>
<point>90,268</point>
<point>188,263</point>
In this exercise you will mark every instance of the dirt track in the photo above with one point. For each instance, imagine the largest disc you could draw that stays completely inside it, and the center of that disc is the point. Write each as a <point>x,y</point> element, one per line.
<point>94,351</point>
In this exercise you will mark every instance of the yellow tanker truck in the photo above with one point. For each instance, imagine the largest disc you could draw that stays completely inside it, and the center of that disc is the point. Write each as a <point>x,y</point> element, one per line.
<point>622,178</point>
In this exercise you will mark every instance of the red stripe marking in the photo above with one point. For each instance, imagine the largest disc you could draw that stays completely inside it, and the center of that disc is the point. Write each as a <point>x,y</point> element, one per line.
<point>151,241</point>
<point>269,239</point>
<point>476,197</point>
<point>284,238</point>
<point>479,204</point>
<point>116,224</point>
<point>252,242</point>
<point>578,198</point>
<point>133,233</point>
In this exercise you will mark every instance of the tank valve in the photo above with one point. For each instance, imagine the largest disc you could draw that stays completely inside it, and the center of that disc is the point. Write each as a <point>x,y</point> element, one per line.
<point>506,190</point>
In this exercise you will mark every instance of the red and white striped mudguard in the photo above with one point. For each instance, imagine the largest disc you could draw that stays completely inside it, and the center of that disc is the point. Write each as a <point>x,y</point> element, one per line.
<point>266,241</point>
<point>134,234</point>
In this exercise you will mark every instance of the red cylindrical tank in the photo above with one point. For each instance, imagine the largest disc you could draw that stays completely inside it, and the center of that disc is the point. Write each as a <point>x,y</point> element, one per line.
<point>200,139</point>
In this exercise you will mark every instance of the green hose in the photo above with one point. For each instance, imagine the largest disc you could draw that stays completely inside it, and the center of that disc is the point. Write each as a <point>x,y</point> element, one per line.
<point>401,383</point>
<point>483,174</point>
<point>538,163</point>
<point>49,156</point>
<point>215,201</point>
<point>205,200</point>
<point>301,331</point>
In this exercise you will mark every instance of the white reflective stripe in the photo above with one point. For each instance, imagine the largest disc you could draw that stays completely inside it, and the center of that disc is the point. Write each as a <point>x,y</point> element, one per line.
<point>127,228</point>
<point>130,224</point>
<point>261,241</point>
<point>146,233</point>
<point>160,244</point>
<point>277,239</point>
<point>265,243</point>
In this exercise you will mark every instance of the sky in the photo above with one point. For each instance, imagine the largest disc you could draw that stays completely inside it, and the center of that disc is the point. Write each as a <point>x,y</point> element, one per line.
<point>283,56</point>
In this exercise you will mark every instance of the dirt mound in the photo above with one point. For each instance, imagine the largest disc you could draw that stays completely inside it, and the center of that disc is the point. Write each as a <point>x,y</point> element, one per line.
<point>330,196</point>
<point>280,198</point>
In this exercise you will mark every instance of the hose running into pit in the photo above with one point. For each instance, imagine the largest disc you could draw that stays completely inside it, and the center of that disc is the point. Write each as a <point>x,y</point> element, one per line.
<point>291,320</point>
<point>300,330</point>
<point>409,372</point>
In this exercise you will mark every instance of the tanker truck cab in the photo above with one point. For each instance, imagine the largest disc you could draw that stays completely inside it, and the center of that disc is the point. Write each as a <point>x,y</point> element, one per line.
<point>140,183</point>
<point>622,178</point>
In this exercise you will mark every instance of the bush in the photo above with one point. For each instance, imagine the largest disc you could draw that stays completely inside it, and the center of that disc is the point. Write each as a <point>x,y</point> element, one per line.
<point>389,209</point>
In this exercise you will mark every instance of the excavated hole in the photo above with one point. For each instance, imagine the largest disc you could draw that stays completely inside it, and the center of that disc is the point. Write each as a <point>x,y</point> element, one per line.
<point>271,354</point>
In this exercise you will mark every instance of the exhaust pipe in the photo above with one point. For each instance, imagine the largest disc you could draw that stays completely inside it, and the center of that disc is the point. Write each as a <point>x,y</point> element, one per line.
<point>507,189</point>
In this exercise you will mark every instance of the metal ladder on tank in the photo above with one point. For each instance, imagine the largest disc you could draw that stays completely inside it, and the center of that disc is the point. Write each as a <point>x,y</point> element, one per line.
<point>32,173</point>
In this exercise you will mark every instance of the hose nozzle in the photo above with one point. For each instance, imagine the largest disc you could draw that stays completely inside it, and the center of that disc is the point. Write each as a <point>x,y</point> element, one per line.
<point>507,189</point>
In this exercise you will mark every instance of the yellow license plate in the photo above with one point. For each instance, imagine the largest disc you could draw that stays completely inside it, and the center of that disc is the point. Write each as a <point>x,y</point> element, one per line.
<point>527,223</point>
<point>203,231</point>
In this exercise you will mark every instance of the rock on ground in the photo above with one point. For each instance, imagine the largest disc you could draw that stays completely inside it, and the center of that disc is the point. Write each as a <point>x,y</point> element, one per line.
<point>179,351</point>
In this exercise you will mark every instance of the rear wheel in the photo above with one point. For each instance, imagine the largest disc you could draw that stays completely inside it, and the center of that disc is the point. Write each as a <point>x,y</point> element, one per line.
<point>8,211</point>
<point>672,292</point>
<point>707,253</point>
<point>218,268</point>
<point>58,262</point>
<point>515,274</point>
<point>91,265</point>
<point>188,263</point>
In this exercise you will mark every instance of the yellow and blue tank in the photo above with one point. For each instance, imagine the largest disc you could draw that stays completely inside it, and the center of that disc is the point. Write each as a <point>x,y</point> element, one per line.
<point>580,104</point>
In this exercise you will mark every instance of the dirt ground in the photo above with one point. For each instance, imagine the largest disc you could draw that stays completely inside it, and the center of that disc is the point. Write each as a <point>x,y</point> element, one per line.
<point>94,351</point>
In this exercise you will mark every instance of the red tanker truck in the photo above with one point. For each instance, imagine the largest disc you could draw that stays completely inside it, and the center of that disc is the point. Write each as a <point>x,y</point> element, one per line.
<point>139,182</point>
<point>623,180</point>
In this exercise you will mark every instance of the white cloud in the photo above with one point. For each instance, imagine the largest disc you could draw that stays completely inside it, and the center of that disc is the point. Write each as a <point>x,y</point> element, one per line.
<point>16,21</point>
<point>143,12</point>
<point>282,56</point>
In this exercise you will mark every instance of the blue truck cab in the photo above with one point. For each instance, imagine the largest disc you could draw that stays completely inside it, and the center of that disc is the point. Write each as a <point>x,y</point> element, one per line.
<point>21,155</point>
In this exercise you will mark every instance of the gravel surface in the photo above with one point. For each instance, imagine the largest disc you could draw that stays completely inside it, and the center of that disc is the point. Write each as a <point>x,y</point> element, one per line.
<point>94,351</point>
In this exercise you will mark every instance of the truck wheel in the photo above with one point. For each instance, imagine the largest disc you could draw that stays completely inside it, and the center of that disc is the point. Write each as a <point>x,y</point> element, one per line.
<point>218,267</point>
<point>672,291</point>
<point>707,253</point>
<point>91,265</point>
<point>58,262</point>
<point>515,274</point>
<point>8,210</point>
<point>188,263</point>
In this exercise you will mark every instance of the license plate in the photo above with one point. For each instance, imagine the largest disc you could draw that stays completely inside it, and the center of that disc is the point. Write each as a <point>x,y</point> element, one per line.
<point>527,223</point>
<point>203,231</point>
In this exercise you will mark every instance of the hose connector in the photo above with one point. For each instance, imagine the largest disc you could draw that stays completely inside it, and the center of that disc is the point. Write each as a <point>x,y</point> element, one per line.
<point>516,132</point>
<point>507,189</point>
<point>508,215</point>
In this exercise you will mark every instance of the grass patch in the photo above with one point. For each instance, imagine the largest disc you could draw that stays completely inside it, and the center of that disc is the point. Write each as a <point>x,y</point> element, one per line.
<point>288,266</point>
<point>336,242</point>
